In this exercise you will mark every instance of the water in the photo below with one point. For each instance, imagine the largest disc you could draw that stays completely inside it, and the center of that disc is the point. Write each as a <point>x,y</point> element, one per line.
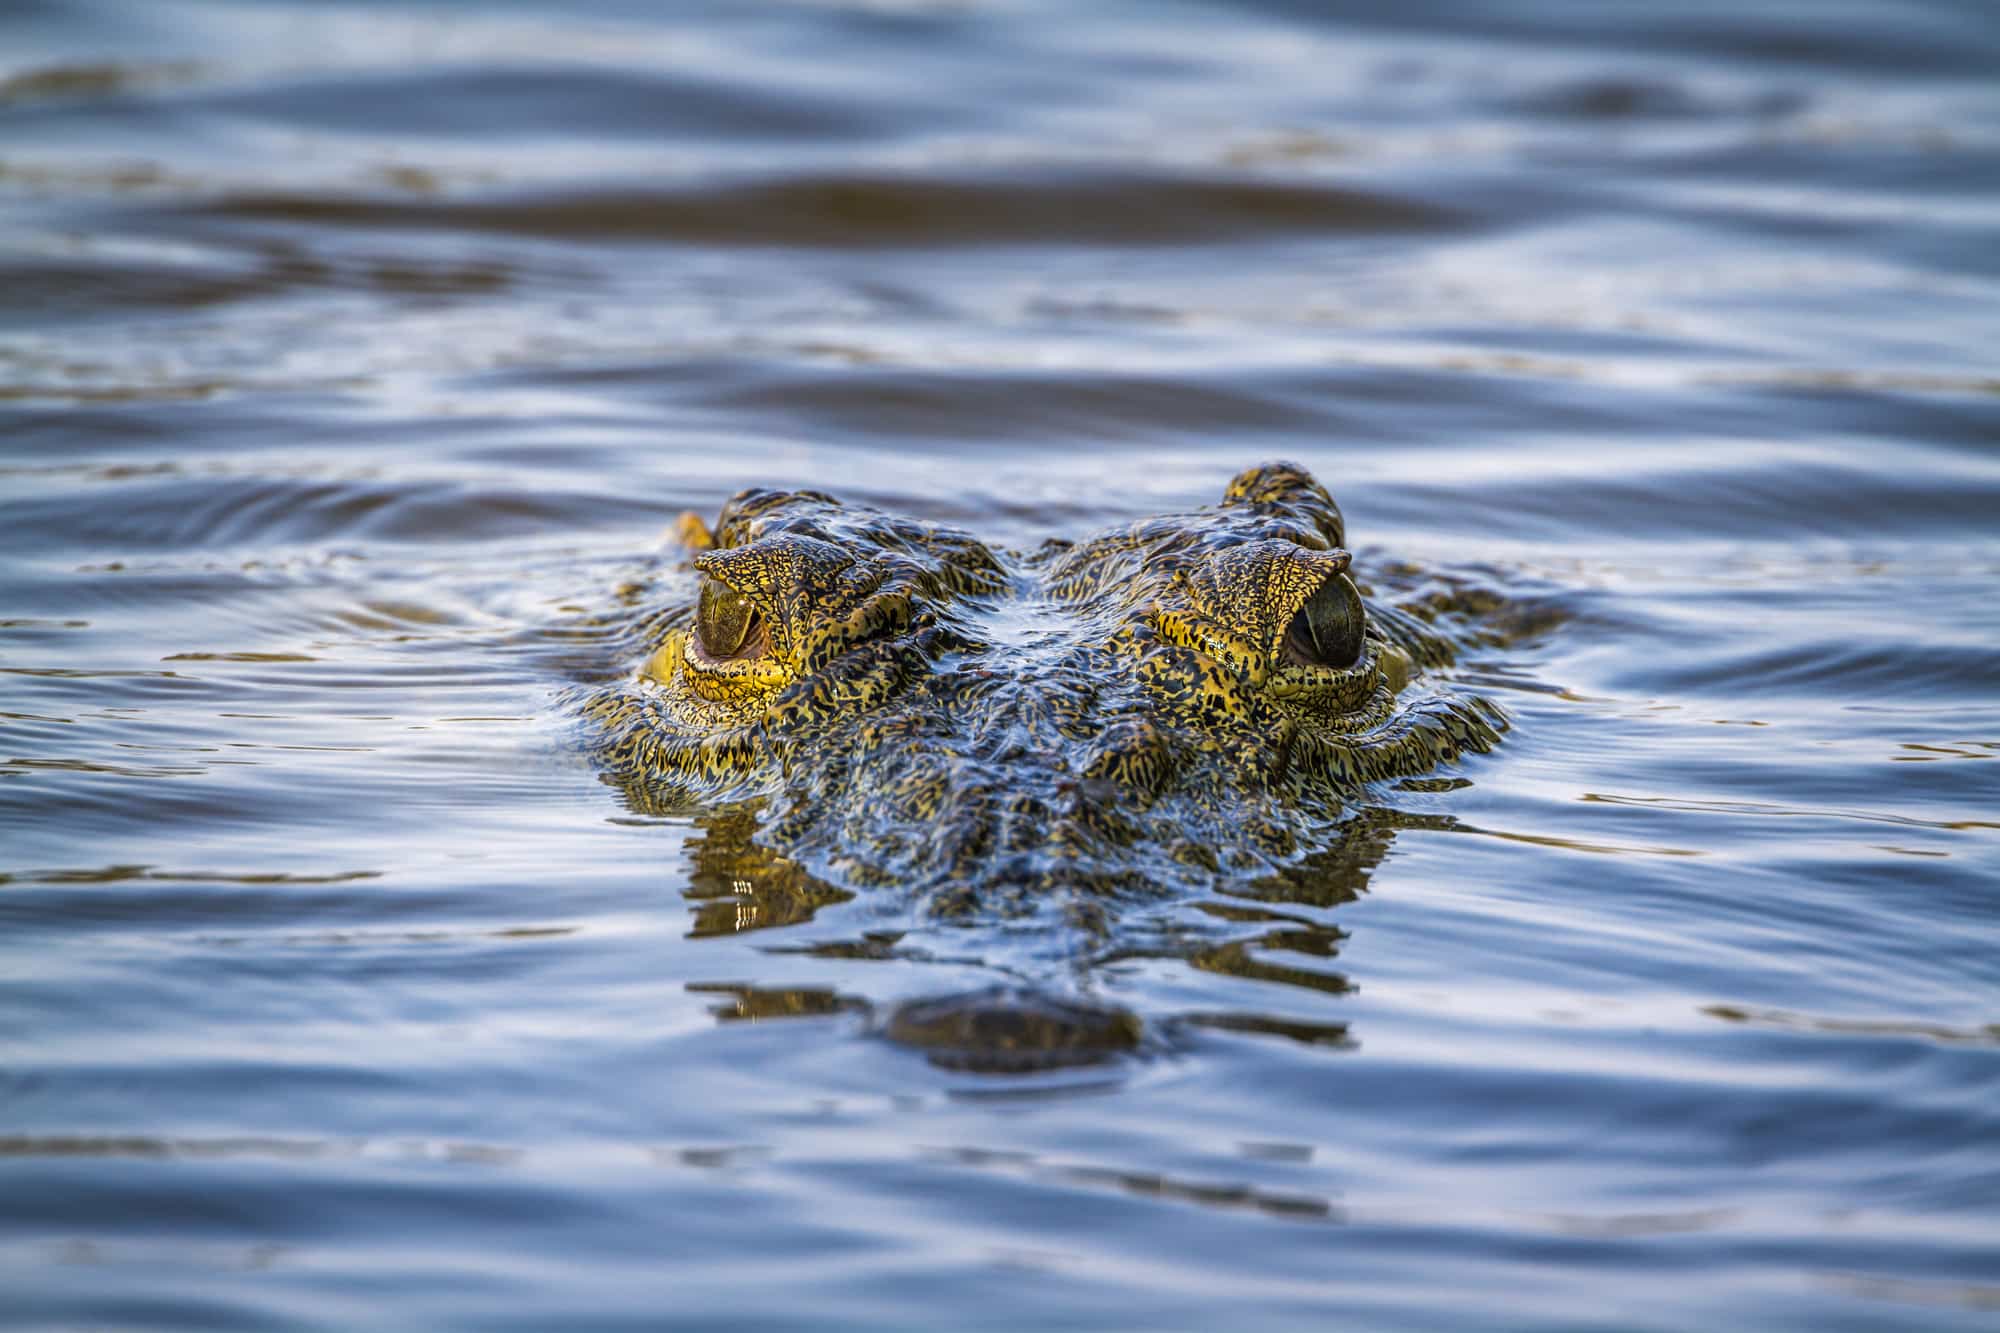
<point>352,357</point>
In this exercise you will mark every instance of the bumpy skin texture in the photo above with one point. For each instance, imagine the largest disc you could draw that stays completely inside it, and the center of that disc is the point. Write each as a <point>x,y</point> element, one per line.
<point>1194,697</point>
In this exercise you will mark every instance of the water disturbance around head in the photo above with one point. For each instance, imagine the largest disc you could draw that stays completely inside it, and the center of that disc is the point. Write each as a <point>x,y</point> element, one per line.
<point>1190,700</point>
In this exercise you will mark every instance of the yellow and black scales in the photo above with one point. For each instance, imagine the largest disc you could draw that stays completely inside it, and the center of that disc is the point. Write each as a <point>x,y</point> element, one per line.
<point>1196,696</point>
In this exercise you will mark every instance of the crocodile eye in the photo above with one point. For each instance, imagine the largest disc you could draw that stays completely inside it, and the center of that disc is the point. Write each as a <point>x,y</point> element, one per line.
<point>723,620</point>
<point>1327,631</point>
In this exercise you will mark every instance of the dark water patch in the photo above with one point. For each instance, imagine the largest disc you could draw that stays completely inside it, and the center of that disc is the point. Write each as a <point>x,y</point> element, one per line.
<point>239,657</point>
<point>1945,39</point>
<point>552,100</point>
<point>1775,811</point>
<point>293,781</point>
<point>39,290</point>
<point>85,435</point>
<point>133,685</point>
<point>1304,1032</point>
<point>1864,168</point>
<point>1153,1185</point>
<point>1020,208</point>
<point>1842,644</point>
<point>1762,1121</point>
<point>1845,666</point>
<point>1772,491</point>
<point>80,82</point>
<point>44,433</point>
<point>225,510</point>
<point>1878,1027</point>
<point>117,874</point>
<point>293,608</point>
<point>1638,97</point>
<point>286,909</point>
<point>125,770</point>
<point>35,630</point>
<point>1356,418</point>
<point>1944,246</point>
<point>1967,1296</point>
<point>45,180</point>
<point>1059,408</point>
<point>53,288</point>
<point>1009,1031</point>
<point>1956,412</point>
<point>258,1202</point>
<point>57,1145</point>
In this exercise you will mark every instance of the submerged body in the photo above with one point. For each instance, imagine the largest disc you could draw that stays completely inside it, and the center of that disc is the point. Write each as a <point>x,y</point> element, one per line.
<point>1193,698</point>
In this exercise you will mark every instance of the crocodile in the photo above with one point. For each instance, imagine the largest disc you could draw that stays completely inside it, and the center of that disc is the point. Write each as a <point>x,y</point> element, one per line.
<point>1191,700</point>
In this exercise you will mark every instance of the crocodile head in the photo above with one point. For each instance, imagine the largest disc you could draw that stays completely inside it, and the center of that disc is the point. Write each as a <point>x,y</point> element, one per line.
<point>1192,698</point>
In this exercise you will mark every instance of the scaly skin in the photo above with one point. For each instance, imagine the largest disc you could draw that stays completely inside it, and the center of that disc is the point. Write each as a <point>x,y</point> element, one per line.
<point>995,731</point>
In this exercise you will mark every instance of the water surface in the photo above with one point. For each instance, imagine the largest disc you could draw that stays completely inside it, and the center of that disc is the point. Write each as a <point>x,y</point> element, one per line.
<point>351,357</point>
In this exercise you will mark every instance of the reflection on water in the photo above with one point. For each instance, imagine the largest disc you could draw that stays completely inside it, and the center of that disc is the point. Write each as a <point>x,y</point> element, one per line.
<point>1289,1207</point>
<point>753,1003</point>
<point>353,362</point>
<point>736,884</point>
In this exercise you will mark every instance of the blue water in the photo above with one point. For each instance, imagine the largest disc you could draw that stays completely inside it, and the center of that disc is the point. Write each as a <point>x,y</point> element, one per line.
<point>351,357</point>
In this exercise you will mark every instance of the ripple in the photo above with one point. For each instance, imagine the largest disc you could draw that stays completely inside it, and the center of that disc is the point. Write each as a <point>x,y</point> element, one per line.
<point>1611,97</point>
<point>223,510</point>
<point>928,404</point>
<point>84,286</point>
<point>1025,207</point>
<point>548,99</point>
<point>1152,1185</point>
<point>90,81</point>
<point>1988,1035</point>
